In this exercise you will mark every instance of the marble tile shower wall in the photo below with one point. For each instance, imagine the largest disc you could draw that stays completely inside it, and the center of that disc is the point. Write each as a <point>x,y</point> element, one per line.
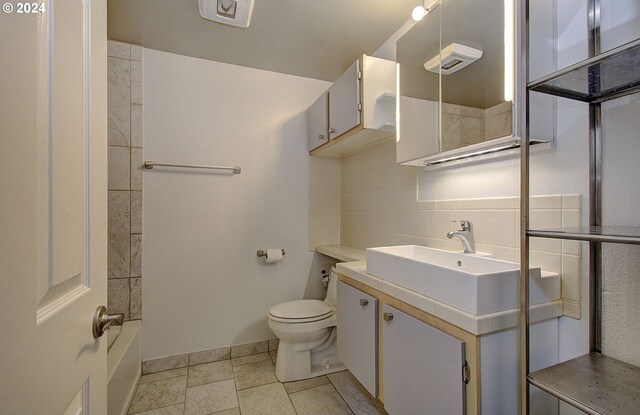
<point>379,208</point>
<point>124,90</point>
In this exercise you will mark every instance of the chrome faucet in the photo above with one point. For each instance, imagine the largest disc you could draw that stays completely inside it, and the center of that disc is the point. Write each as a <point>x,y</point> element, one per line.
<point>466,236</point>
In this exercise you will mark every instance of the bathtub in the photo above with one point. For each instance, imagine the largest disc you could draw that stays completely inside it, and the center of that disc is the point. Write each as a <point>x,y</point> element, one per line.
<point>124,366</point>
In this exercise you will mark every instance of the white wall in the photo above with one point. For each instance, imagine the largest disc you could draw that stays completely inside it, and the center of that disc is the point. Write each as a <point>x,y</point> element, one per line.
<point>204,287</point>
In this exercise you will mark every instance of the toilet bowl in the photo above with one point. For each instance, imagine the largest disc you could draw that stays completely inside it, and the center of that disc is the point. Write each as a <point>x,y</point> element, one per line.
<point>307,333</point>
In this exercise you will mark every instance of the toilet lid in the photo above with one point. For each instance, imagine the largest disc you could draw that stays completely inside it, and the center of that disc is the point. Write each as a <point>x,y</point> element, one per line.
<point>301,309</point>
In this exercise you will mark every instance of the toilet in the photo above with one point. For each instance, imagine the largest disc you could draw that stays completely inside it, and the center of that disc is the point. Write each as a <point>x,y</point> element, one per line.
<point>307,332</point>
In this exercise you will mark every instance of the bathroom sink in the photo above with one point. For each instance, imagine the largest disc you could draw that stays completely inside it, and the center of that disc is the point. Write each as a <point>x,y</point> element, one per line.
<point>474,284</point>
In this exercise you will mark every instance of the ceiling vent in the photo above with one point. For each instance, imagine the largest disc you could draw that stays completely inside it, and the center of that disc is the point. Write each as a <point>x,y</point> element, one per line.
<point>454,57</point>
<point>231,12</point>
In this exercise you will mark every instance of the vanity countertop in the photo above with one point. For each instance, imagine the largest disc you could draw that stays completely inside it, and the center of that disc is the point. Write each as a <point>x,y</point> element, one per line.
<point>342,252</point>
<point>477,325</point>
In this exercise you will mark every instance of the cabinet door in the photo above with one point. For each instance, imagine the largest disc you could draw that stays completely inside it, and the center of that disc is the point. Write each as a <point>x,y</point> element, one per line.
<point>344,102</point>
<point>357,335</point>
<point>422,368</point>
<point>318,122</point>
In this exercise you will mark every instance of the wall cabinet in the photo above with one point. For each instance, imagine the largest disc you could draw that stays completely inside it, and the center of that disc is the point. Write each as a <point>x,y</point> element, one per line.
<point>361,108</point>
<point>318,122</point>
<point>345,102</point>
<point>357,335</point>
<point>422,367</point>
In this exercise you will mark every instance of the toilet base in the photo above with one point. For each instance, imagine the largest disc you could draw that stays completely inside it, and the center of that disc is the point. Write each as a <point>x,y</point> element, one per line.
<point>292,365</point>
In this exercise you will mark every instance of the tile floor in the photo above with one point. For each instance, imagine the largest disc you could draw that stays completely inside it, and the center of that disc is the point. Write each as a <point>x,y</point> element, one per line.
<point>248,386</point>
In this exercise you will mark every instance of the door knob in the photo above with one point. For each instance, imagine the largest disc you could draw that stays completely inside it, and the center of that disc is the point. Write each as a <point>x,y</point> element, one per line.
<point>332,130</point>
<point>321,137</point>
<point>364,302</point>
<point>102,321</point>
<point>387,316</point>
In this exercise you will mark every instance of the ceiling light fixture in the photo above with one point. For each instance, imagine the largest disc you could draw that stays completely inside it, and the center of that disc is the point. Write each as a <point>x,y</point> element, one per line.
<point>421,11</point>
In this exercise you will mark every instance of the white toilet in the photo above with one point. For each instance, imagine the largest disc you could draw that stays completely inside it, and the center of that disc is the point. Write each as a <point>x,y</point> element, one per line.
<point>307,333</point>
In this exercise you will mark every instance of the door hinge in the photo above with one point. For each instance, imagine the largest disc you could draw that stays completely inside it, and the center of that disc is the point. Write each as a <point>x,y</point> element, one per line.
<point>360,107</point>
<point>359,74</point>
<point>466,373</point>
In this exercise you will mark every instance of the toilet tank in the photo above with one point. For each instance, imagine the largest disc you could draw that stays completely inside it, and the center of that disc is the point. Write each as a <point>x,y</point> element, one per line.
<point>332,289</point>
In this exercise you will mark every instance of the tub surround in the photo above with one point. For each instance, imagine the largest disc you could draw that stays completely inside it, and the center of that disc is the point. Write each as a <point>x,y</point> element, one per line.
<point>124,77</point>
<point>123,368</point>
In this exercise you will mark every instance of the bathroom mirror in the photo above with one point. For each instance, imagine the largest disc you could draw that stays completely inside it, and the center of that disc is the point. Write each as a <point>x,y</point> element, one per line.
<point>455,80</point>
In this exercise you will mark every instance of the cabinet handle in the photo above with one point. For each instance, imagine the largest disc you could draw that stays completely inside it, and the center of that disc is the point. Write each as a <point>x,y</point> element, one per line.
<point>321,137</point>
<point>387,316</point>
<point>364,302</point>
<point>332,130</point>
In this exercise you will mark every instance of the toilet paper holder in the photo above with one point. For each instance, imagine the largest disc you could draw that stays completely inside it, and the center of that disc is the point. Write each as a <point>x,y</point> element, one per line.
<point>263,252</point>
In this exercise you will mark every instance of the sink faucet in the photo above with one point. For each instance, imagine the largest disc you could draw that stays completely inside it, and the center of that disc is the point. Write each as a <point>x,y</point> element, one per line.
<point>466,236</point>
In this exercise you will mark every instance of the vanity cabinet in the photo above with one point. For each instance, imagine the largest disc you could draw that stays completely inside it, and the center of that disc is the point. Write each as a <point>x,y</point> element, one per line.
<point>357,335</point>
<point>422,367</point>
<point>318,122</point>
<point>430,364</point>
<point>361,108</point>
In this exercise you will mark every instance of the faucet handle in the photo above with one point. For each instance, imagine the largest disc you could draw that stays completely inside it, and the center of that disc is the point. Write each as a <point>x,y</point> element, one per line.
<point>465,225</point>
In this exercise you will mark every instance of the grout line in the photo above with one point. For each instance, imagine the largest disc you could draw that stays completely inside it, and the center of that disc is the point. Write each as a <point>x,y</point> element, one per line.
<point>160,407</point>
<point>186,386</point>
<point>289,396</point>
<point>234,384</point>
<point>342,397</point>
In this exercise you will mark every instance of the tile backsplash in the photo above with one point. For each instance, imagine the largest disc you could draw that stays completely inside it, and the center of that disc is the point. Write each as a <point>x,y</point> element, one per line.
<point>378,207</point>
<point>124,87</point>
<point>324,201</point>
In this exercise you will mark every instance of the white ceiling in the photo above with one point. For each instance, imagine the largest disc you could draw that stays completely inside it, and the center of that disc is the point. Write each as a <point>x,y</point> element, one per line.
<point>311,38</point>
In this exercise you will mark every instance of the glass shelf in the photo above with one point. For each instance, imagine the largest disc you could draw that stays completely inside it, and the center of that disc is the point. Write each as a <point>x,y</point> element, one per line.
<point>593,383</point>
<point>612,74</point>
<point>612,234</point>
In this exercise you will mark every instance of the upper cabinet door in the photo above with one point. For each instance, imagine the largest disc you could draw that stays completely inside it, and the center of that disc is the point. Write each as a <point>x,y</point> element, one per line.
<point>318,122</point>
<point>344,102</point>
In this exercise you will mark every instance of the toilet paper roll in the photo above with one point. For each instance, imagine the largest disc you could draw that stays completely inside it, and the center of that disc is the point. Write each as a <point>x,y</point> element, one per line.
<point>273,255</point>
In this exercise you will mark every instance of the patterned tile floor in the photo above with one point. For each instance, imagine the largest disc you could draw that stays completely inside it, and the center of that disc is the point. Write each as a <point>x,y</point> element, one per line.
<point>248,386</point>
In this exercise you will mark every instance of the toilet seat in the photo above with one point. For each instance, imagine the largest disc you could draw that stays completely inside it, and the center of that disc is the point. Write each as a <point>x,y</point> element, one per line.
<point>300,311</point>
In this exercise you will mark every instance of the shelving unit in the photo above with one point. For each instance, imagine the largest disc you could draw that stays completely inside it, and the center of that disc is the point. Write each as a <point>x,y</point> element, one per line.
<point>593,383</point>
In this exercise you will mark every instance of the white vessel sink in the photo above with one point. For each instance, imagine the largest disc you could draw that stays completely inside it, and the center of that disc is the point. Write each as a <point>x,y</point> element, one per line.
<point>474,284</point>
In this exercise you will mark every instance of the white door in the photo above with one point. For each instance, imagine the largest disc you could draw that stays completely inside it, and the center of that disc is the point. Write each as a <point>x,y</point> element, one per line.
<point>358,335</point>
<point>422,368</point>
<point>53,206</point>
<point>344,102</point>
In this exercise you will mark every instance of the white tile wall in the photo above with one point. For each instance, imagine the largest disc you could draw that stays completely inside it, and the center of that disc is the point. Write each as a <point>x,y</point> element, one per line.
<point>378,207</point>
<point>324,201</point>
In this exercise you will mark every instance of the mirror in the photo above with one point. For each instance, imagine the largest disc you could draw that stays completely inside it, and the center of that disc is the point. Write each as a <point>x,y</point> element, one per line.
<point>458,101</point>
